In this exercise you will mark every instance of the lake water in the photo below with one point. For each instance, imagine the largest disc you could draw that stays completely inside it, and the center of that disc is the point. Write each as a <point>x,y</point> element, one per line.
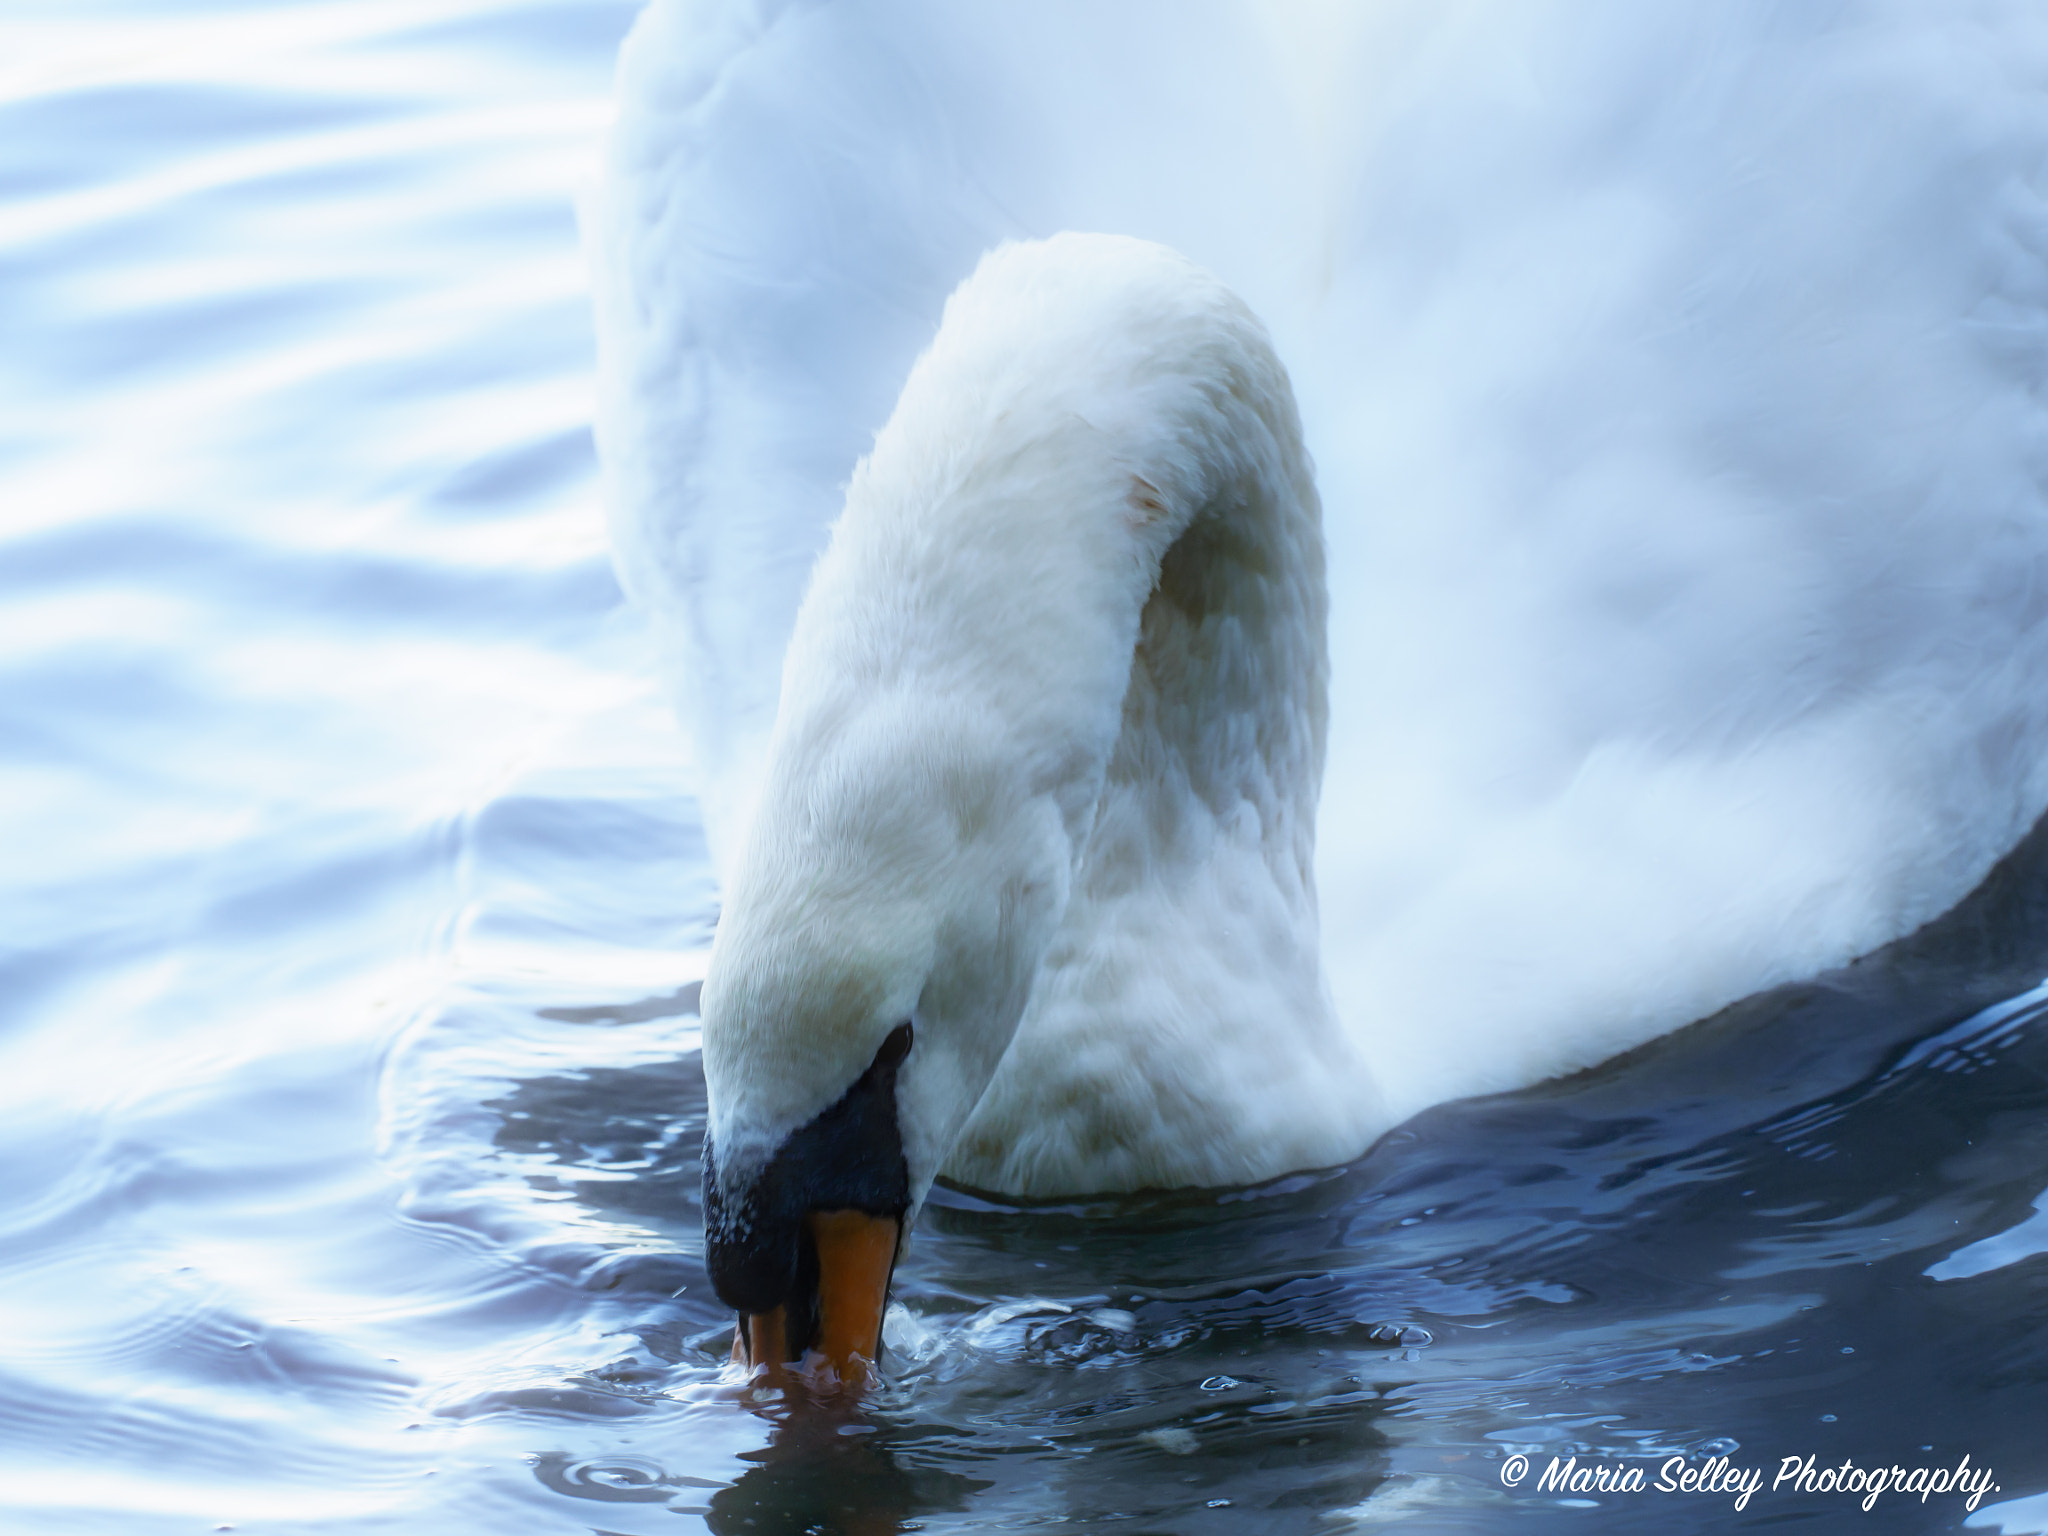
<point>356,902</point>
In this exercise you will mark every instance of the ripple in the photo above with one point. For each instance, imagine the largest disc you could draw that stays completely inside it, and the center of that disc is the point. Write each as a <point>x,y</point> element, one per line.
<point>349,982</point>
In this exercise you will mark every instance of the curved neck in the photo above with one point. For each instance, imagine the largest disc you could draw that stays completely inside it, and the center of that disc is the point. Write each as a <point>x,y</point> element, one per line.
<point>1091,521</point>
<point>1069,632</point>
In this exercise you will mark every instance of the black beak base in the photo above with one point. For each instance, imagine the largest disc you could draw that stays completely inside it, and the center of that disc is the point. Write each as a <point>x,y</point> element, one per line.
<point>850,1157</point>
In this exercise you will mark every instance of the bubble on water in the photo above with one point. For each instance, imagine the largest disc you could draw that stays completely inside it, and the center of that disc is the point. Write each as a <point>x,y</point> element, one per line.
<point>1174,1441</point>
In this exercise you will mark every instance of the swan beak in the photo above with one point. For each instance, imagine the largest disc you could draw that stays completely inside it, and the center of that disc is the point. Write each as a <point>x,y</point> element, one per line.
<point>856,1256</point>
<point>762,1336</point>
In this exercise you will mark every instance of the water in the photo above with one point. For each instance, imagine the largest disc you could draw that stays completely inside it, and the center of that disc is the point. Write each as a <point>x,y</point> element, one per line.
<point>357,900</point>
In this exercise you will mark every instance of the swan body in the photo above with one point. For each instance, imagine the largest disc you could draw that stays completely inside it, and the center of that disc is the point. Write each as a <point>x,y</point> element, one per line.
<point>1687,544</point>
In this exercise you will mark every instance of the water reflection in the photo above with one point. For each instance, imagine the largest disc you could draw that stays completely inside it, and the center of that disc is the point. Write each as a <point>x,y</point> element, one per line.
<point>838,1471</point>
<point>824,1471</point>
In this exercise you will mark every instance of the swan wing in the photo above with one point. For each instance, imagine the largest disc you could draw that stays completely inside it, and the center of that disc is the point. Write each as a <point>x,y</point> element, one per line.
<point>1672,375</point>
<point>1682,437</point>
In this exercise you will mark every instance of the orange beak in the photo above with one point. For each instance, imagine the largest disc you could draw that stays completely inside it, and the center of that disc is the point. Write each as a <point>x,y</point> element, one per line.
<point>856,1255</point>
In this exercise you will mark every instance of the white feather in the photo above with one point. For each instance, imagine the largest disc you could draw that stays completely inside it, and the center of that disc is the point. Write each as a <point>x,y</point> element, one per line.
<point>1671,374</point>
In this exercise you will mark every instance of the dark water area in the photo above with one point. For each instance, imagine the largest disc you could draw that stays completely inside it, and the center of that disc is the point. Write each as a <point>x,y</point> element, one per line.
<point>356,906</point>
<point>1800,1228</point>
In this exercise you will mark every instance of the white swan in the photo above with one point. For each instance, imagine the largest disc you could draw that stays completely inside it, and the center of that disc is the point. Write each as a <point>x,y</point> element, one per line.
<point>1687,544</point>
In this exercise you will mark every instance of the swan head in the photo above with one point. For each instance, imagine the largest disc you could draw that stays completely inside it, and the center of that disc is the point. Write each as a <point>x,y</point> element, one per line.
<point>876,951</point>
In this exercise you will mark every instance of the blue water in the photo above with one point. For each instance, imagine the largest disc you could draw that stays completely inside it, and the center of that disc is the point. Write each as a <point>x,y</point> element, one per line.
<point>355,904</point>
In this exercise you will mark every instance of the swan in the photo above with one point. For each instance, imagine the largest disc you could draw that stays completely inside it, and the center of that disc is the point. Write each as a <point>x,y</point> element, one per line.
<point>1090,817</point>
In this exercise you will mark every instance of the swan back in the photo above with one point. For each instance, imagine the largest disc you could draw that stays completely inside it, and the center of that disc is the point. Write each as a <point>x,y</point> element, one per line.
<point>1674,386</point>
